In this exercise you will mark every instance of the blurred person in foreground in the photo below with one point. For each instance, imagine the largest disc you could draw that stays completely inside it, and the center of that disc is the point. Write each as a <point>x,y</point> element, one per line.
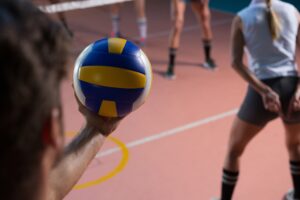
<point>35,164</point>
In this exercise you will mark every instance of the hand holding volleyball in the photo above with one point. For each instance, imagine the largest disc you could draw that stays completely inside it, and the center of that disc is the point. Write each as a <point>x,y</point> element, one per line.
<point>112,77</point>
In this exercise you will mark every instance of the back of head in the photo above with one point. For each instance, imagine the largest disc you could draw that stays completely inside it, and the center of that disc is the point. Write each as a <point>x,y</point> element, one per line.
<point>33,55</point>
<point>273,21</point>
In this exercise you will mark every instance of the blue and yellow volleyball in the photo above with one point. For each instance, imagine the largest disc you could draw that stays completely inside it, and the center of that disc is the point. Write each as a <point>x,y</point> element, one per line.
<point>112,77</point>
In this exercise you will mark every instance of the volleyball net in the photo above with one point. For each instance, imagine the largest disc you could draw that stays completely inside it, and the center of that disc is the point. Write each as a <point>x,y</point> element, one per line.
<point>90,20</point>
<point>62,6</point>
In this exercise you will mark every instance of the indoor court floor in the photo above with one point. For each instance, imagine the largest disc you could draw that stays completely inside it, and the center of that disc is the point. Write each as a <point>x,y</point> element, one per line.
<point>173,147</point>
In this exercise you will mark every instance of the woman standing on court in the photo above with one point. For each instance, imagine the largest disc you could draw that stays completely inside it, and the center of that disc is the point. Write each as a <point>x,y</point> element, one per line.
<point>268,29</point>
<point>202,12</point>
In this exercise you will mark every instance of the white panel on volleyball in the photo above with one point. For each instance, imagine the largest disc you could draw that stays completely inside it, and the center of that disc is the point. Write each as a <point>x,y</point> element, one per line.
<point>147,88</point>
<point>78,64</point>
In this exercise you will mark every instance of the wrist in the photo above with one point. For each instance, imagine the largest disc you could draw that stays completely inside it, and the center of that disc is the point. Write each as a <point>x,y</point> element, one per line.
<point>264,90</point>
<point>94,134</point>
<point>90,129</point>
<point>298,84</point>
<point>95,130</point>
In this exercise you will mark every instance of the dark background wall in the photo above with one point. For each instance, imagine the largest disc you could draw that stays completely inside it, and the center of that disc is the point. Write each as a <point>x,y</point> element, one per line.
<point>234,6</point>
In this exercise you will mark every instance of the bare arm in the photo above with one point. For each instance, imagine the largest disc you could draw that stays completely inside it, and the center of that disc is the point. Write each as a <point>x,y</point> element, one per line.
<point>298,34</point>
<point>295,103</point>
<point>79,153</point>
<point>270,98</point>
<point>76,157</point>
<point>237,53</point>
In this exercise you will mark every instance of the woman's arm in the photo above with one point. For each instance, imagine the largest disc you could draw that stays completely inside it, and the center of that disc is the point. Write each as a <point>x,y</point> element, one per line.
<point>270,98</point>
<point>79,153</point>
<point>295,103</point>
<point>298,34</point>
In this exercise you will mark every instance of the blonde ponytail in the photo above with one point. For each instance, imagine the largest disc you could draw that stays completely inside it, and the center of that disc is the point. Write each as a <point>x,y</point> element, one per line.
<point>273,21</point>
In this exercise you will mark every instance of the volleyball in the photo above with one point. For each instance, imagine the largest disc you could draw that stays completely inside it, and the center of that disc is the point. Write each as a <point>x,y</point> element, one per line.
<point>112,77</point>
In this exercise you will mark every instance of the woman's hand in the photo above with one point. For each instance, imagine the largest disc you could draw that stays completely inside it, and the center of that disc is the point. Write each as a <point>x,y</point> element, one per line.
<point>105,125</point>
<point>295,102</point>
<point>271,100</point>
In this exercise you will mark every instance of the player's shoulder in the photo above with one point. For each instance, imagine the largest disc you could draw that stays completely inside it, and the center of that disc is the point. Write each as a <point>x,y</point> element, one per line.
<point>286,5</point>
<point>247,10</point>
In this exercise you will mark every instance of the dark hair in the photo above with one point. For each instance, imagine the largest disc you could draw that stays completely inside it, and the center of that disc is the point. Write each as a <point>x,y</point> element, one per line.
<point>273,21</point>
<point>33,56</point>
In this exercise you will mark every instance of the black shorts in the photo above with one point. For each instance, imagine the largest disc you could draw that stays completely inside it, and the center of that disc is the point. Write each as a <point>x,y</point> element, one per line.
<point>253,111</point>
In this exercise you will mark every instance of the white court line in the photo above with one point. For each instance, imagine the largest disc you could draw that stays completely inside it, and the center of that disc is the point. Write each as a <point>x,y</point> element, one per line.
<point>171,132</point>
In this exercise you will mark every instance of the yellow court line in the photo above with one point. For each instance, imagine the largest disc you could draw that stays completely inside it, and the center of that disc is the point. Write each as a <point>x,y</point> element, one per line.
<point>123,162</point>
<point>70,134</point>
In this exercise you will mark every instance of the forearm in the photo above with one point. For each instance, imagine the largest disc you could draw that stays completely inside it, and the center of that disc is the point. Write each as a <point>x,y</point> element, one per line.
<point>298,38</point>
<point>237,52</point>
<point>77,156</point>
<point>298,33</point>
<point>298,84</point>
<point>250,78</point>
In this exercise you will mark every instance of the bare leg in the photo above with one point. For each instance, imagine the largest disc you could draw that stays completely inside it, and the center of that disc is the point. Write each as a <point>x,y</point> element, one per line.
<point>140,8</point>
<point>177,17</point>
<point>293,141</point>
<point>115,9</point>
<point>241,134</point>
<point>141,20</point>
<point>115,19</point>
<point>293,146</point>
<point>202,12</point>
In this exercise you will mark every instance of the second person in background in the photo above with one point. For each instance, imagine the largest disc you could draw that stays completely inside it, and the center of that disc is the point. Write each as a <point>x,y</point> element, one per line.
<point>141,20</point>
<point>202,12</point>
<point>267,30</point>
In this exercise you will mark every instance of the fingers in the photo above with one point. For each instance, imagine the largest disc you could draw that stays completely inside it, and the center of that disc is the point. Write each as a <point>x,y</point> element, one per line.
<point>290,109</point>
<point>273,107</point>
<point>105,125</point>
<point>296,104</point>
<point>81,107</point>
<point>272,102</point>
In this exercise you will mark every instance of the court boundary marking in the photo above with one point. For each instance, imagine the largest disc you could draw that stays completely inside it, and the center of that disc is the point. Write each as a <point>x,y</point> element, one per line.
<point>170,132</point>
<point>125,157</point>
<point>115,171</point>
<point>124,148</point>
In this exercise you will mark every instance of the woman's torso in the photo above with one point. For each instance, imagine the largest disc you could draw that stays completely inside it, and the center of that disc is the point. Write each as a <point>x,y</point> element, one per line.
<point>268,58</point>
